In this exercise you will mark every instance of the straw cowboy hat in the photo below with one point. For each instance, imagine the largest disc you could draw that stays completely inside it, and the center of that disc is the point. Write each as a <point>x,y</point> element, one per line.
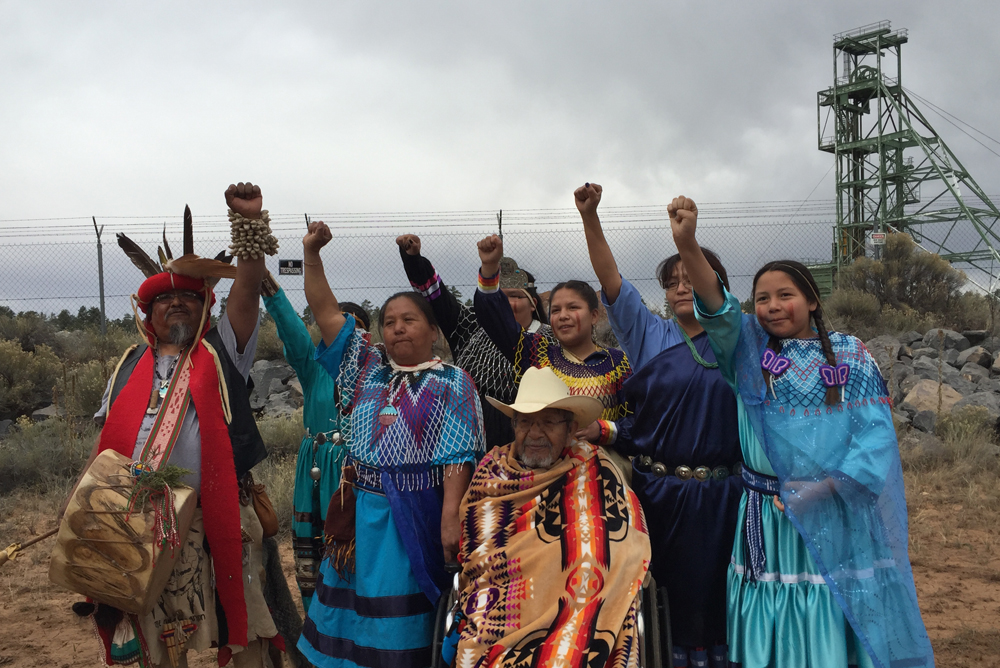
<point>541,389</point>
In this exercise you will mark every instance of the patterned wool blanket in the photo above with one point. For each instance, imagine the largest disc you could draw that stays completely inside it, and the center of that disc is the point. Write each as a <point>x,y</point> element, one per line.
<point>552,564</point>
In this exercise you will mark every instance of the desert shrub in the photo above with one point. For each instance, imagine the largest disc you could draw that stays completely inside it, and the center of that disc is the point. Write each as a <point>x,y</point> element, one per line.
<point>81,388</point>
<point>905,276</point>
<point>282,435</point>
<point>28,328</point>
<point>269,346</point>
<point>851,309</point>
<point>44,455</point>
<point>964,427</point>
<point>26,378</point>
<point>278,475</point>
<point>905,319</point>
<point>970,310</point>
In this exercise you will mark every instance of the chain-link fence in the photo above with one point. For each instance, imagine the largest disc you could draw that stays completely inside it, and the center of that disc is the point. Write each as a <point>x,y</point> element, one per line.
<point>51,265</point>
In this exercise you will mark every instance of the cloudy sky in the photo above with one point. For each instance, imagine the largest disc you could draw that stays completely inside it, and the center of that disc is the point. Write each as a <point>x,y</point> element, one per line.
<point>132,109</point>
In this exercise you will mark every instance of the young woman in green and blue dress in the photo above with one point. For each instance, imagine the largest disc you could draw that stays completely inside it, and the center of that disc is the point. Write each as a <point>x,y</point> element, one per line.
<point>328,426</point>
<point>820,573</point>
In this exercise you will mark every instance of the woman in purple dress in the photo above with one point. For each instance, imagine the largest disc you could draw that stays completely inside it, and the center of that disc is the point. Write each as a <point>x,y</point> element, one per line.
<point>685,443</point>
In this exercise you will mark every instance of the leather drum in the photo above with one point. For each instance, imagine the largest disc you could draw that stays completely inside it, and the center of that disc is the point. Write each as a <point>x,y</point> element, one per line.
<point>102,556</point>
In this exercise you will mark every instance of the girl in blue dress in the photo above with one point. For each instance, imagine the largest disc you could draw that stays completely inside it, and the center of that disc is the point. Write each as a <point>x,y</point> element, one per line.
<point>820,574</point>
<point>684,439</point>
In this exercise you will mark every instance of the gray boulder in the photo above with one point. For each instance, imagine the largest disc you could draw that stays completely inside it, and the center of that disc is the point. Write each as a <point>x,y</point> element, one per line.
<point>295,389</point>
<point>988,385</point>
<point>960,383</point>
<point>5,427</point>
<point>885,350</point>
<point>952,339</point>
<point>923,351</point>
<point>975,336</point>
<point>950,356</point>
<point>924,421</point>
<point>976,355</point>
<point>263,374</point>
<point>279,404</point>
<point>50,411</point>
<point>973,372</point>
<point>905,354</point>
<point>900,420</point>
<point>995,367</point>
<point>987,400</point>
<point>909,383</point>
<point>910,338</point>
<point>991,343</point>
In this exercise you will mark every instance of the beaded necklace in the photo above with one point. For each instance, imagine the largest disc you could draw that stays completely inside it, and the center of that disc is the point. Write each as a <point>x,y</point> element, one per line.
<point>694,353</point>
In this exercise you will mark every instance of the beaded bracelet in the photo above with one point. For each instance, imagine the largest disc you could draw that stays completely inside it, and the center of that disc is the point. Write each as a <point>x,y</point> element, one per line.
<point>251,238</point>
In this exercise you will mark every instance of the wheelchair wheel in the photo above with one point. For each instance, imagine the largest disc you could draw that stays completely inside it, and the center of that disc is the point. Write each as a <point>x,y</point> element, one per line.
<point>650,646</point>
<point>666,636</point>
<point>441,618</point>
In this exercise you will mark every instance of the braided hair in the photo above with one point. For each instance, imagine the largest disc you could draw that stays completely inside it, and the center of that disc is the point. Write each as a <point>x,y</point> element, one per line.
<point>804,281</point>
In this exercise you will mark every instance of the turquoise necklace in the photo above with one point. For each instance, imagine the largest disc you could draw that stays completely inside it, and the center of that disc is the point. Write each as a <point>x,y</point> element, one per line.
<point>694,353</point>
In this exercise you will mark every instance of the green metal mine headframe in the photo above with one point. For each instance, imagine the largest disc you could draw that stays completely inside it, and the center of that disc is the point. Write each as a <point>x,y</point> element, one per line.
<point>893,171</point>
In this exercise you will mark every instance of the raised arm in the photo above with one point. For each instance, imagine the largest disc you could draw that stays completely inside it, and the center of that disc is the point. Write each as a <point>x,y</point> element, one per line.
<point>425,280</point>
<point>683,222</point>
<point>492,307</point>
<point>243,305</point>
<point>324,305</point>
<point>587,197</point>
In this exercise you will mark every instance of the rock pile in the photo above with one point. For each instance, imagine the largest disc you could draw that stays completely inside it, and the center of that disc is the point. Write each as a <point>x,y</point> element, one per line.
<point>276,389</point>
<point>955,369</point>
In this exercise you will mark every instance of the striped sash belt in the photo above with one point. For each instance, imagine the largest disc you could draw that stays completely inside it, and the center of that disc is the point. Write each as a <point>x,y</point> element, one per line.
<point>757,485</point>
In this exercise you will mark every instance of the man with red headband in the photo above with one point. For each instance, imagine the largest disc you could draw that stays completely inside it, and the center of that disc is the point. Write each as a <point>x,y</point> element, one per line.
<point>183,399</point>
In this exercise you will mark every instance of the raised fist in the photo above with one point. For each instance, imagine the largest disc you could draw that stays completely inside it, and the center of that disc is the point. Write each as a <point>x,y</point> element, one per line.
<point>683,214</point>
<point>410,243</point>
<point>587,197</point>
<point>245,199</point>
<point>490,250</point>
<point>318,236</point>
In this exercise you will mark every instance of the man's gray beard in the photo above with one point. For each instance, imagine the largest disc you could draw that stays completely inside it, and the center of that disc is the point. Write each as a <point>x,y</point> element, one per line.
<point>180,333</point>
<point>539,461</point>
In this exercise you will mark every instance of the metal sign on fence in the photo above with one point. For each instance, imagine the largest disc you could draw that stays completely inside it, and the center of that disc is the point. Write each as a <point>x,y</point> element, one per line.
<point>289,267</point>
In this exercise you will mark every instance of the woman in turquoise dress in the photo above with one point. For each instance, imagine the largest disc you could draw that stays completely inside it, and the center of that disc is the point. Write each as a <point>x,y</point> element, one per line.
<point>820,573</point>
<point>416,434</point>
<point>321,453</point>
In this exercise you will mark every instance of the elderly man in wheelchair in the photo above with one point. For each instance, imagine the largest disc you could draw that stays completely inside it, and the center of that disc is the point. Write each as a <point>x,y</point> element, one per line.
<point>554,549</point>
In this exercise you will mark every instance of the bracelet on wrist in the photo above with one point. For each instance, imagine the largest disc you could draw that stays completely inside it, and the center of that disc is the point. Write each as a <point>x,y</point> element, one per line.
<point>251,238</point>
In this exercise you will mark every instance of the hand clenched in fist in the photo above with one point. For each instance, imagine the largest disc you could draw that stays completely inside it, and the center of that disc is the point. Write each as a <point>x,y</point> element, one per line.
<point>318,236</point>
<point>491,251</point>
<point>683,214</point>
<point>587,197</point>
<point>245,199</point>
<point>409,243</point>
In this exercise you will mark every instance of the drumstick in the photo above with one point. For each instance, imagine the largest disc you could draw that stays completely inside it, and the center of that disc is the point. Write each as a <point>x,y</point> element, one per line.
<point>11,552</point>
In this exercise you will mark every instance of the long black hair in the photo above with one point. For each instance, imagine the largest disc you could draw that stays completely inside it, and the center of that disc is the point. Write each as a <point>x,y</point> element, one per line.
<point>665,270</point>
<point>358,312</point>
<point>538,313</point>
<point>804,281</point>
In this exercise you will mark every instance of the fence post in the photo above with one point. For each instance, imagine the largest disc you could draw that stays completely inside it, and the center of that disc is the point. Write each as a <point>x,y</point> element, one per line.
<point>500,224</point>
<point>100,275</point>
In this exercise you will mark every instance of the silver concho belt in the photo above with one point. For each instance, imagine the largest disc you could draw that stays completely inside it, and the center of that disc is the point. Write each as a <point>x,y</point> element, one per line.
<point>684,472</point>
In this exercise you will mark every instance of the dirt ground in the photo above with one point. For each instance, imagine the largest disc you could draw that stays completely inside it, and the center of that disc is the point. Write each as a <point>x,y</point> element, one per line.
<point>957,571</point>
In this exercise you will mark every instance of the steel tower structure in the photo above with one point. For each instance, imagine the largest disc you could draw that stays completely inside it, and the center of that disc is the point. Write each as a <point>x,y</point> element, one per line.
<point>893,171</point>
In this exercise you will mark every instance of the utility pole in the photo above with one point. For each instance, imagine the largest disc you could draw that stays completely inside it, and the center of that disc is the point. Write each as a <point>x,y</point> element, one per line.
<point>100,275</point>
